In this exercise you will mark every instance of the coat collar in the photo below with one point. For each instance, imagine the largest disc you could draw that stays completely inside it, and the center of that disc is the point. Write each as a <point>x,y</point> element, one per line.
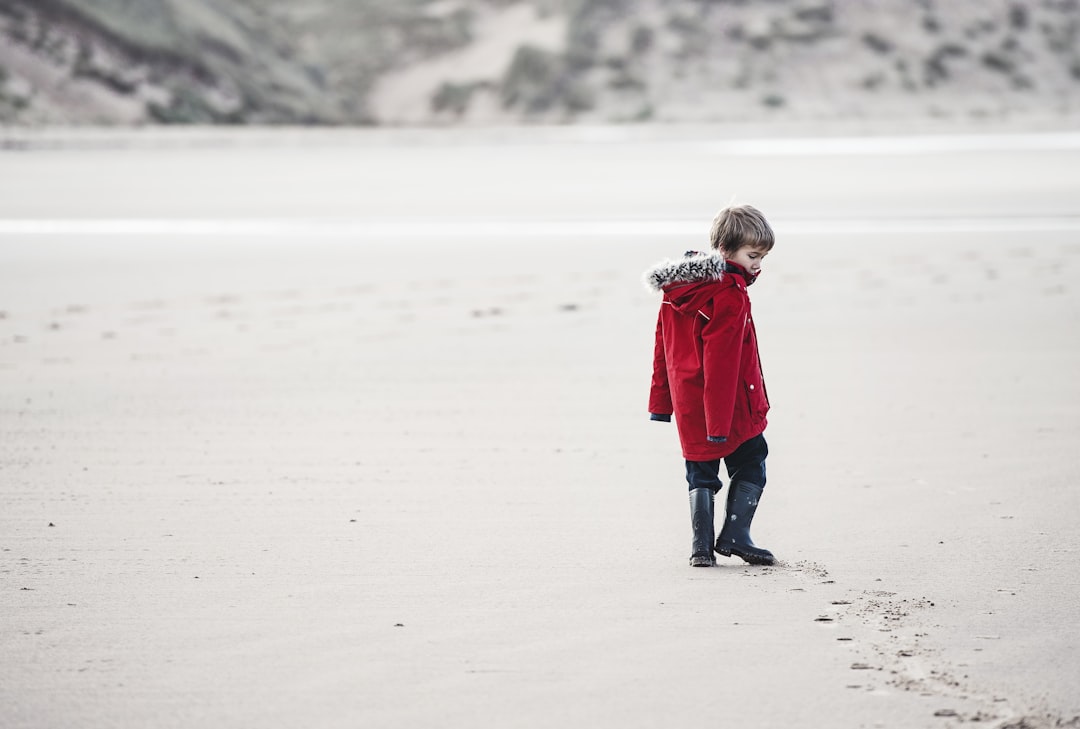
<point>731,267</point>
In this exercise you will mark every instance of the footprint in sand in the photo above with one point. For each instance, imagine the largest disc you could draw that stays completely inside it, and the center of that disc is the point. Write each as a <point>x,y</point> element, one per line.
<point>222,300</point>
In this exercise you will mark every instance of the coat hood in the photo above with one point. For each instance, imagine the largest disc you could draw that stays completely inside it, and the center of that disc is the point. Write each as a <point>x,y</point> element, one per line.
<point>687,282</point>
<point>694,267</point>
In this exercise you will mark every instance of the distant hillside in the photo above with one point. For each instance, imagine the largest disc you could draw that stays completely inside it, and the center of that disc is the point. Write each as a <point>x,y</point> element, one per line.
<point>553,61</point>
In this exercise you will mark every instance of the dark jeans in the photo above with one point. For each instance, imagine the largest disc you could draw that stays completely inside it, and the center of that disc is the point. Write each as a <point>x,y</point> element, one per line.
<point>746,463</point>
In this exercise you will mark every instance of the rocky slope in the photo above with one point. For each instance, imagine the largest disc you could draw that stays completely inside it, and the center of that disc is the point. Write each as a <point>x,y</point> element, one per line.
<point>550,61</point>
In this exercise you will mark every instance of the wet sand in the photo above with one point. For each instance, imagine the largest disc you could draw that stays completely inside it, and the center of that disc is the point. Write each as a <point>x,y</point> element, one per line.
<point>367,447</point>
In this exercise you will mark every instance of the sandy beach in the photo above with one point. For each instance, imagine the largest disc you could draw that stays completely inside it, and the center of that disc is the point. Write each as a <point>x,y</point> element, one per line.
<point>348,430</point>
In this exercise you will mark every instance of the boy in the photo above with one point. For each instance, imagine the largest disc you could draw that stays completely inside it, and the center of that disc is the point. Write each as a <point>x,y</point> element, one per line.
<point>706,372</point>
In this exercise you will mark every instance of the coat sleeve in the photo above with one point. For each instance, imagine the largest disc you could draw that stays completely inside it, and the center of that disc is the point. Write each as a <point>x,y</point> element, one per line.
<point>660,407</point>
<point>722,342</point>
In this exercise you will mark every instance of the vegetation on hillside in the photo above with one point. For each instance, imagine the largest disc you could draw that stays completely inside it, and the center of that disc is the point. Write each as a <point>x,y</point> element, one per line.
<point>319,61</point>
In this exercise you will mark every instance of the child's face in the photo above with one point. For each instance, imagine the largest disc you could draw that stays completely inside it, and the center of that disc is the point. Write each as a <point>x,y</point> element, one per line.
<point>749,258</point>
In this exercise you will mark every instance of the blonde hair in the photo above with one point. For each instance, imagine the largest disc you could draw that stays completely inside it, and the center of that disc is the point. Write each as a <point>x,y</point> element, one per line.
<point>740,225</point>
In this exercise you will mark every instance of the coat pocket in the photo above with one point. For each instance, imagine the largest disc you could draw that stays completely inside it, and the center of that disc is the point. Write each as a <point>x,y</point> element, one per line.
<point>757,402</point>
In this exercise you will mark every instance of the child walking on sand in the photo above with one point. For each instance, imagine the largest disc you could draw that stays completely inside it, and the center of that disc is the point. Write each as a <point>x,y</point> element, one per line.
<point>706,371</point>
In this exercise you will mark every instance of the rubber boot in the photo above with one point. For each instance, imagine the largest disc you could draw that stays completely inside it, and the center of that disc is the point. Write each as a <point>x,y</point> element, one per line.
<point>701,519</point>
<point>735,536</point>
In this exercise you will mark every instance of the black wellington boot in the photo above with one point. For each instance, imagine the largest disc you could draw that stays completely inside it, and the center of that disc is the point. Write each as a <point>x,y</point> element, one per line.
<point>701,519</point>
<point>735,536</point>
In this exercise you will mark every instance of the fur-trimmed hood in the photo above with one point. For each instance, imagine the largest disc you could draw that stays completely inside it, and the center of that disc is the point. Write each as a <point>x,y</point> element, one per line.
<point>694,267</point>
<point>689,282</point>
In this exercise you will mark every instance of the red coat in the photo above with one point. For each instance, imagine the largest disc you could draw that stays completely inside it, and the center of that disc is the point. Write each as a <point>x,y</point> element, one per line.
<point>706,367</point>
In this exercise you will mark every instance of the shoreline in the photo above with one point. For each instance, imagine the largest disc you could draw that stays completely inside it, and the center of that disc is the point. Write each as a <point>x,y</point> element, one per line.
<point>151,137</point>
